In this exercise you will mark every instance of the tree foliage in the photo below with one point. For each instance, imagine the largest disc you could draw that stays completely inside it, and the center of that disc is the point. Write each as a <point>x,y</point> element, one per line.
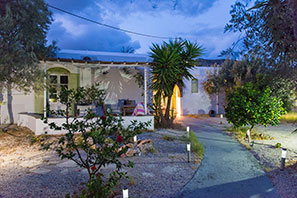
<point>249,105</point>
<point>171,64</point>
<point>269,32</point>
<point>23,27</point>
<point>93,142</point>
<point>233,74</point>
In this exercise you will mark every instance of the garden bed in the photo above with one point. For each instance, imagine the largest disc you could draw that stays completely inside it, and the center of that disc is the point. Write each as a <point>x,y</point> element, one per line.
<point>27,171</point>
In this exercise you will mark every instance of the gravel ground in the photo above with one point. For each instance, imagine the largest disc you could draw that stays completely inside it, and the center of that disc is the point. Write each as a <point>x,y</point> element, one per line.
<point>269,157</point>
<point>27,171</point>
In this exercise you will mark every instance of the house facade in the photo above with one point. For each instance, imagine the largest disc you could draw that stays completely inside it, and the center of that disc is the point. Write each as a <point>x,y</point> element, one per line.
<point>123,76</point>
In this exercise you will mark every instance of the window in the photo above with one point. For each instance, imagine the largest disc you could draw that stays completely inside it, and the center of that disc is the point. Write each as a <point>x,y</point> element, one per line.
<point>194,87</point>
<point>56,82</point>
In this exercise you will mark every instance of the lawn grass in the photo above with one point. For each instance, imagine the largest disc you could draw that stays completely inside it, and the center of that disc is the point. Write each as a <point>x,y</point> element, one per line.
<point>197,147</point>
<point>168,137</point>
<point>290,117</point>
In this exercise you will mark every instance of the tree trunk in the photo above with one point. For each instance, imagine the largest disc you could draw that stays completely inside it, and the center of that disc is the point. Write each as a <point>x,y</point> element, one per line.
<point>1,100</point>
<point>167,122</point>
<point>9,105</point>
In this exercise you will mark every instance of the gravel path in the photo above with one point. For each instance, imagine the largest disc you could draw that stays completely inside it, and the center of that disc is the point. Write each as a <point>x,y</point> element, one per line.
<point>26,171</point>
<point>227,169</point>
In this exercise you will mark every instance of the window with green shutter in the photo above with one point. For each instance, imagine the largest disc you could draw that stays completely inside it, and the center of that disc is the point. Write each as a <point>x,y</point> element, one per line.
<point>194,87</point>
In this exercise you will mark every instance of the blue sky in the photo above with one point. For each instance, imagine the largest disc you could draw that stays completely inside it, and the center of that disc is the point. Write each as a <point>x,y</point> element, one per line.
<point>200,21</point>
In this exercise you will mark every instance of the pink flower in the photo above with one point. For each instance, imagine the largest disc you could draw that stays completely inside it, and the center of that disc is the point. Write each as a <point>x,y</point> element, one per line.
<point>119,139</point>
<point>93,168</point>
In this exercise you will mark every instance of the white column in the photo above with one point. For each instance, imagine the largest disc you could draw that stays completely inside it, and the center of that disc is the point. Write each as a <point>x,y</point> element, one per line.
<point>81,77</point>
<point>145,90</point>
<point>217,103</point>
<point>92,76</point>
<point>45,91</point>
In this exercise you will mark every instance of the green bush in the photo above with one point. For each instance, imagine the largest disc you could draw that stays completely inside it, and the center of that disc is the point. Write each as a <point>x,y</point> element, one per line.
<point>278,145</point>
<point>249,106</point>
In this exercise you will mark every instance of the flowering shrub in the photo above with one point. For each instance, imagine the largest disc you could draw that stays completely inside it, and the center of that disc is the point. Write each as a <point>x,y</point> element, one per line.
<point>93,142</point>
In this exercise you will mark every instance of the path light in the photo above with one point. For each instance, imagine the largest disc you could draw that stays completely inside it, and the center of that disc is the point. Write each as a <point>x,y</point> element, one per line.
<point>283,161</point>
<point>188,131</point>
<point>248,133</point>
<point>135,138</point>
<point>125,192</point>
<point>221,115</point>
<point>189,152</point>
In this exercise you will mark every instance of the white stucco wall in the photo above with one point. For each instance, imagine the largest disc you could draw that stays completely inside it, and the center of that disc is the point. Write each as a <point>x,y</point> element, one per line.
<point>119,85</point>
<point>21,102</point>
<point>39,127</point>
<point>201,102</point>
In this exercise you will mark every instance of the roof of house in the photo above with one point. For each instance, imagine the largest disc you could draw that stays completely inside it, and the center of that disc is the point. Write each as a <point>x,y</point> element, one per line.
<point>82,56</point>
<point>97,56</point>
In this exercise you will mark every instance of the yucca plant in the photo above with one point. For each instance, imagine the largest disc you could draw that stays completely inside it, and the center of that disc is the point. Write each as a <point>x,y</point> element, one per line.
<point>171,64</point>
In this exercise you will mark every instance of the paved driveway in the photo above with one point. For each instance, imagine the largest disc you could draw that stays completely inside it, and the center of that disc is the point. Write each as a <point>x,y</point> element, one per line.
<point>227,170</point>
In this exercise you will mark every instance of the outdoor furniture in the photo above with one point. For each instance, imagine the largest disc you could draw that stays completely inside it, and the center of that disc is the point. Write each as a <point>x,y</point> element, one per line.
<point>127,109</point>
<point>98,109</point>
<point>139,110</point>
<point>126,106</point>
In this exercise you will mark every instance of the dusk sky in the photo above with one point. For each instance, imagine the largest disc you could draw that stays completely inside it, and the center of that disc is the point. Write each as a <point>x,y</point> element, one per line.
<point>200,21</point>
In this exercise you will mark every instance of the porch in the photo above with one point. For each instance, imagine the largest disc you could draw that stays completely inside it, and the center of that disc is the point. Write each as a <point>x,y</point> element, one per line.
<point>115,72</point>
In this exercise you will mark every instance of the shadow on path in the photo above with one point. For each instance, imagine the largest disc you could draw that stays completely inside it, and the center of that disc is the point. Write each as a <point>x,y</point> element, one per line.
<point>240,189</point>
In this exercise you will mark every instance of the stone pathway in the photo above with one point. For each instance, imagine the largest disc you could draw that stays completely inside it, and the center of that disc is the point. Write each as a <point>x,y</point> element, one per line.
<point>227,170</point>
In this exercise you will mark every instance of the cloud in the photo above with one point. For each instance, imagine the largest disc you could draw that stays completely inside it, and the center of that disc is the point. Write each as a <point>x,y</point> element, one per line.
<point>70,34</point>
<point>188,7</point>
<point>201,21</point>
<point>206,29</point>
<point>71,5</point>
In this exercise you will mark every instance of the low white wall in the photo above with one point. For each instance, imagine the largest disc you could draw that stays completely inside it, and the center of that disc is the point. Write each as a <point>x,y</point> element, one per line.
<point>39,127</point>
<point>21,102</point>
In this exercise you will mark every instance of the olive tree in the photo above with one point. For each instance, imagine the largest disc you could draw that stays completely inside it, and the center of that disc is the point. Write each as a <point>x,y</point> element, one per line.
<point>23,28</point>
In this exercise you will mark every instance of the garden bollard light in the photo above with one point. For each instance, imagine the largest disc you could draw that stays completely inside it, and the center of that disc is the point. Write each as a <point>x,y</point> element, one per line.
<point>248,133</point>
<point>188,131</point>
<point>135,139</point>
<point>283,160</point>
<point>221,115</point>
<point>189,152</point>
<point>125,193</point>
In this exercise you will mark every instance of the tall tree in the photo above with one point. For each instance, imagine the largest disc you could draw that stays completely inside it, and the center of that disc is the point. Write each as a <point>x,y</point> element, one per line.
<point>171,64</point>
<point>23,27</point>
<point>233,74</point>
<point>269,30</point>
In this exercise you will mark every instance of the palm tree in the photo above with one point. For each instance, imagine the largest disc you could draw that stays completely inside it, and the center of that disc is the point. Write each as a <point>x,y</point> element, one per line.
<point>171,64</point>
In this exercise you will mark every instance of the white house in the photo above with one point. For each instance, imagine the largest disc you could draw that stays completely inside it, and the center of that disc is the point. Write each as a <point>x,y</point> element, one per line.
<point>116,74</point>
